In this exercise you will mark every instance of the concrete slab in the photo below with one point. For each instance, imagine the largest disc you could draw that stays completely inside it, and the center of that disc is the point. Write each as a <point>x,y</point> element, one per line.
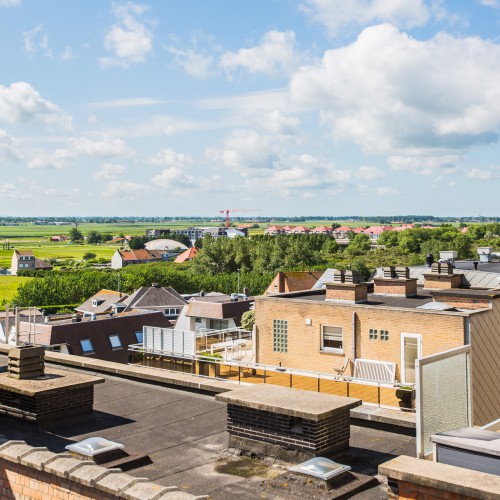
<point>395,418</point>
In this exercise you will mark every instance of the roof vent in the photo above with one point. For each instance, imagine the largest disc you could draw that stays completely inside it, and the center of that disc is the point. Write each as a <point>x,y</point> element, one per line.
<point>93,446</point>
<point>320,467</point>
<point>155,285</point>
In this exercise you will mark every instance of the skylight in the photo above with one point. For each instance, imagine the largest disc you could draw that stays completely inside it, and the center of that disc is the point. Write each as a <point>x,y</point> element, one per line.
<point>94,446</point>
<point>320,467</point>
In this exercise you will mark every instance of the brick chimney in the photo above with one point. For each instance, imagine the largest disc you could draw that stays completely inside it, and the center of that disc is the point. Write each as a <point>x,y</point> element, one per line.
<point>26,362</point>
<point>346,287</point>
<point>396,281</point>
<point>442,277</point>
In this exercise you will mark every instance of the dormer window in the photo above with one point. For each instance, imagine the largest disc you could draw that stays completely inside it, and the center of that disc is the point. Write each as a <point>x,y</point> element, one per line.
<point>97,302</point>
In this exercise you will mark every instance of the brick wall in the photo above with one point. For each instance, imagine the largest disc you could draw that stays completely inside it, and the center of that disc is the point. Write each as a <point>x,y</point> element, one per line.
<point>439,331</point>
<point>348,292</point>
<point>442,281</point>
<point>410,491</point>
<point>296,434</point>
<point>28,473</point>
<point>395,286</point>
<point>463,302</point>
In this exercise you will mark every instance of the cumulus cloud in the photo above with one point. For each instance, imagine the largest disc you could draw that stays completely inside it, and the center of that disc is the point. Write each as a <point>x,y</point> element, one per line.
<point>481,174</point>
<point>490,3</point>
<point>108,147</point>
<point>124,190</point>
<point>36,40</point>
<point>10,3</point>
<point>68,54</point>
<point>10,149</point>
<point>392,94</point>
<point>275,54</point>
<point>424,165</point>
<point>169,158</point>
<point>12,192</point>
<point>58,159</point>
<point>21,103</point>
<point>336,15</point>
<point>109,171</point>
<point>128,40</point>
<point>368,173</point>
<point>193,63</point>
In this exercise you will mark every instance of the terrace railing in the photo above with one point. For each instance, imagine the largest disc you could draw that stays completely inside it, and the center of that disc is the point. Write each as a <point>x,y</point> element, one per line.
<point>370,392</point>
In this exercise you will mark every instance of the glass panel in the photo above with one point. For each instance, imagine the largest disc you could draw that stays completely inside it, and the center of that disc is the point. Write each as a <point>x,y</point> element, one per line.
<point>410,356</point>
<point>305,383</point>
<point>388,397</point>
<point>277,378</point>
<point>333,387</point>
<point>252,375</point>
<point>332,338</point>
<point>115,341</point>
<point>139,336</point>
<point>367,393</point>
<point>86,346</point>
<point>280,335</point>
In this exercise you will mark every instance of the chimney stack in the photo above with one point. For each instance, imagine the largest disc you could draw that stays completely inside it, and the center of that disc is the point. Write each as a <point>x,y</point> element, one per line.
<point>346,287</point>
<point>26,362</point>
<point>396,281</point>
<point>442,277</point>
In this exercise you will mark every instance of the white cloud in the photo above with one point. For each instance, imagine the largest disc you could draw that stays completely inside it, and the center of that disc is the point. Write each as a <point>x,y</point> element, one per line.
<point>481,174</point>
<point>275,54</point>
<point>424,165</point>
<point>110,171</point>
<point>368,173</point>
<point>124,189</point>
<point>128,40</point>
<point>10,149</point>
<point>336,15</point>
<point>386,191</point>
<point>276,122</point>
<point>58,159</point>
<point>21,103</point>
<point>490,3</point>
<point>108,147</point>
<point>10,3</point>
<point>68,54</point>
<point>169,158</point>
<point>392,94</point>
<point>36,40</point>
<point>172,177</point>
<point>182,184</point>
<point>10,191</point>
<point>193,63</point>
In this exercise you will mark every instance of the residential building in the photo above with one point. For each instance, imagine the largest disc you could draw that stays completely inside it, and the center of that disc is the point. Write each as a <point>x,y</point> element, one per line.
<point>102,302</point>
<point>300,230</point>
<point>341,232</point>
<point>385,325</point>
<point>293,281</point>
<point>213,312</point>
<point>122,258</point>
<point>273,230</point>
<point>186,256</point>
<point>322,230</point>
<point>25,260</point>
<point>155,298</point>
<point>104,336</point>
<point>59,238</point>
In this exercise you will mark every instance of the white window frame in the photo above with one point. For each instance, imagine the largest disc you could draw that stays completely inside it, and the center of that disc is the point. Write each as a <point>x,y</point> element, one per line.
<point>331,349</point>
<point>417,336</point>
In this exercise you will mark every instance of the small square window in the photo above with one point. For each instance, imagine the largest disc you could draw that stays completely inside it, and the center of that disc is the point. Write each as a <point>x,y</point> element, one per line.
<point>384,335</point>
<point>139,336</point>
<point>87,346</point>
<point>374,334</point>
<point>115,341</point>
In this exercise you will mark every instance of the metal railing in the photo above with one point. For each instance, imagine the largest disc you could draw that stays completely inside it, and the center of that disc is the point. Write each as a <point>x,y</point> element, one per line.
<point>370,392</point>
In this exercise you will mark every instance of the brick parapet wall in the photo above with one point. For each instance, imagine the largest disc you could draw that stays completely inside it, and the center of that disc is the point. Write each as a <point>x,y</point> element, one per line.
<point>463,302</point>
<point>315,437</point>
<point>28,473</point>
<point>442,281</point>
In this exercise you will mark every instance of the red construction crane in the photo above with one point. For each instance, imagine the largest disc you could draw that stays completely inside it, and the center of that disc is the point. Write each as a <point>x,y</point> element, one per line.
<point>227,210</point>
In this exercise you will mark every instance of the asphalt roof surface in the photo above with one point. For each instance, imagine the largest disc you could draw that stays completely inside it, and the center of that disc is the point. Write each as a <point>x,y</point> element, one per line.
<point>185,436</point>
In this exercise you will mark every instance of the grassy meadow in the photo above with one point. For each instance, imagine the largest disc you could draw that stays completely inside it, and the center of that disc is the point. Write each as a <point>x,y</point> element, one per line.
<point>9,285</point>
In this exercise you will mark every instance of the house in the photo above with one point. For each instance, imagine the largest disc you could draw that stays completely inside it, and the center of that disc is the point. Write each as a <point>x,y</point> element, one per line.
<point>293,281</point>
<point>273,230</point>
<point>214,312</point>
<point>25,260</point>
<point>105,336</point>
<point>322,230</point>
<point>59,238</point>
<point>374,232</point>
<point>358,230</point>
<point>155,298</point>
<point>104,301</point>
<point>377,330</point>
<point>300,230</point>
<point>122,258</point>
<point>341,232</point>
<point>187,255</point>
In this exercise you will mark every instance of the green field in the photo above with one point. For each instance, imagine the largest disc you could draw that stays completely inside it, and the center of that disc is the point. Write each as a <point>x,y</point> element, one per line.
<point>8,286</point>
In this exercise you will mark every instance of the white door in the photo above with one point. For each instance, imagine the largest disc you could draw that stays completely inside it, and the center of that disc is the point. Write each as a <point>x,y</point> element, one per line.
<point>411,350</point>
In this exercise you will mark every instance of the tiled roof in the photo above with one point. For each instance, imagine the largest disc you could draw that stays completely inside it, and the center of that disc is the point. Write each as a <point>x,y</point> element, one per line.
<point>109,297</point>
<point>358,230</point>
<point>24,252</point>
<point>141,254</point>
<point>188,254</point>
<point>154,296</point>
<point>342,228</point>
<point>43,264</point>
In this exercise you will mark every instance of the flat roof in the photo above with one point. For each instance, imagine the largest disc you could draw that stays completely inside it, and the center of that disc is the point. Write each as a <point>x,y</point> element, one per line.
<point>185,436</point>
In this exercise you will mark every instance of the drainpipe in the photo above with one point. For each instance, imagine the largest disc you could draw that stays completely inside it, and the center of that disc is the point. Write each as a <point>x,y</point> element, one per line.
<point>353,337</point>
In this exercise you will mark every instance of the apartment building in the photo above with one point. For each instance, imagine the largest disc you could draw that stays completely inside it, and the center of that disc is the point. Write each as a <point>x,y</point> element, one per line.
<point>25,261</point>
<point>377,330</point>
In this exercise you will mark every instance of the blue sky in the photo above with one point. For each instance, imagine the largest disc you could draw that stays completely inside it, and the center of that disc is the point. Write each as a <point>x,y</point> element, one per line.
<point>293,107</point>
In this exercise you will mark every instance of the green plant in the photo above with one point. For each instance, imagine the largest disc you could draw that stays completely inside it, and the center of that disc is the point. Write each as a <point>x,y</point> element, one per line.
<point>207,354</point>
<point>248,320</point>
<point>406,394</point>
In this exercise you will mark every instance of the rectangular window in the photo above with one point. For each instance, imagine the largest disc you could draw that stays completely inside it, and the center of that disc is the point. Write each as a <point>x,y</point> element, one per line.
<point>197,320</point>
<point>139,336</point>
<point>115,341</point>
<point>374,334</point>
<point>332,339</point>
<point>87,346</point>
<point>219,324</point>
<point>280,335</point>
<point>384,335</point>
<point>171,311</point>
